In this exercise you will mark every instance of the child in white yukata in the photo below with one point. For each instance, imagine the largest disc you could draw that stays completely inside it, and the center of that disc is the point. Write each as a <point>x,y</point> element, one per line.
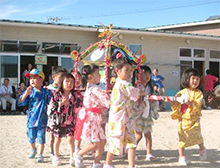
<point>121,124</point>
<point>91,118</point>
<point>146,111</point>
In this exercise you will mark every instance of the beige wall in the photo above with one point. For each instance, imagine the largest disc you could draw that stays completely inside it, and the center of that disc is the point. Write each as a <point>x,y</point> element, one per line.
<point>161,51</point>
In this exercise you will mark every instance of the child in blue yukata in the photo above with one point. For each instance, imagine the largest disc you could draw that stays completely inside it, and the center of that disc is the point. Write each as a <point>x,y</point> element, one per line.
<point>37,98</point>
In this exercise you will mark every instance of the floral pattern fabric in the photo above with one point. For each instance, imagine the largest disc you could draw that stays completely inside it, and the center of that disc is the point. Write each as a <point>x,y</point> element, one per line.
<point>189,128</point>
<point>145,122</point>
<point>121,119</point>
<point>37,103</point>
<point>94,97</point>
<point>61,117</point>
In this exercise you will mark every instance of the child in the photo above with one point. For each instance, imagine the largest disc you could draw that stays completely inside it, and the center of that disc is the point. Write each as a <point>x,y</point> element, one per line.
<point>188,114</point>
<point>79,103</point>
<point>121,123</point>
<point>56,73</point>
<point>146,111</point>
<point>61,111</point>
<point>94,100</point>
<point>37,98</point>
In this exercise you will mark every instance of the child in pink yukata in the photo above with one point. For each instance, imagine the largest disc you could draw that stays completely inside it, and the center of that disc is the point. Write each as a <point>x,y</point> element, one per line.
<point>91,118</point>
<point>121,125</point>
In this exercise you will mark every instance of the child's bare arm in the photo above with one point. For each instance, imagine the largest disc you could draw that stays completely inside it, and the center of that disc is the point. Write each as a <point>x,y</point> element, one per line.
<point>27,92</point>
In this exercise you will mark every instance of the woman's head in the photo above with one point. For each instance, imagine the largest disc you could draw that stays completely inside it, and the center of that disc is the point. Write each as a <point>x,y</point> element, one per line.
<point>67,83</point>
<point>190,78</point>
<point>22,85</point>
<point>29,66</point>
<point>123,68</point>
<point>90,74</point>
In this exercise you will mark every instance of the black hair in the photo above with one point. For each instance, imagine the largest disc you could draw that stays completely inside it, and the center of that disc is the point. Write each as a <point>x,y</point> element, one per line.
<point>121,62</point>
<point>7,79</point>
<point>208,71</point>
<point>64,76</point>
<point>26,67</point>
<point>21,83</point>
<point>55,70</point>
<point>186,76</point>
<point>86,71</point>
<point>144,68</point>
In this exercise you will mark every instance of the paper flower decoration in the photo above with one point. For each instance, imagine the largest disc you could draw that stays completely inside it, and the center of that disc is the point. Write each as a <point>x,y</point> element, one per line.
<point>143,58</point>
<point>74,54</point>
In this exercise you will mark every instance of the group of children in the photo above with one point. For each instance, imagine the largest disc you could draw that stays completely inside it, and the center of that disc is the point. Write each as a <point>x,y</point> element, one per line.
<point>62,110</point>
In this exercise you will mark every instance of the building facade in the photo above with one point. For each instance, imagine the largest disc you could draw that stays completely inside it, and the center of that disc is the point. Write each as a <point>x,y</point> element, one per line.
<point>169,51</point>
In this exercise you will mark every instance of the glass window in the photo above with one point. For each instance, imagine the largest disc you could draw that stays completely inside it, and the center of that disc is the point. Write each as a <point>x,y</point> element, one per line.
<point>199,53</point>
<point>9,68</point>
<point>135,48</point>
<point>68,48</point>
<point>26,46</point>
<point>215,54</point>
<point>11,46</point>
<point>185,65</point>
<point>67,63</point>
<point>51,48</point>
<point>184,52</point>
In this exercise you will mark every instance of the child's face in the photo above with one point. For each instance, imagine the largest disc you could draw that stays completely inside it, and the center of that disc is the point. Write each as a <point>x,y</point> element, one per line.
<point>145,77</point>
<point>95,77</point>
<point>36,81</point>
<point>125,72</point>
<point>68,84</point>
<point>56,78</point>
<point>194,82</point>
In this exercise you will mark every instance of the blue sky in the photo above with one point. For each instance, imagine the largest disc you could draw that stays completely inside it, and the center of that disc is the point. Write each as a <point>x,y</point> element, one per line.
<point>122,13</point>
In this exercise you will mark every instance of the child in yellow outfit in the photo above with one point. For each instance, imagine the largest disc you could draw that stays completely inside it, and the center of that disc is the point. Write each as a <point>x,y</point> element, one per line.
<point>188,113</point>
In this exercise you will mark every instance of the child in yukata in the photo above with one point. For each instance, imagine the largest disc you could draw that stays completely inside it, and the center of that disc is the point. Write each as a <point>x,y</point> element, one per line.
<point>188,113</point>
<point>91,118</point>
<point>37,99</point>
<point>145,112</point>
<point>121,131</point>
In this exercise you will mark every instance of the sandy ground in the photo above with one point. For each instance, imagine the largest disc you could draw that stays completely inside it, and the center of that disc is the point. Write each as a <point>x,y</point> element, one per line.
<point>14,147</point>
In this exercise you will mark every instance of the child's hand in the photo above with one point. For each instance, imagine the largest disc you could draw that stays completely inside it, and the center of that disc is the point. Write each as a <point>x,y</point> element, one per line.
<point>142,93</point>
<point>168,100</point>
<point>64,100</point>
<point>28,90</point>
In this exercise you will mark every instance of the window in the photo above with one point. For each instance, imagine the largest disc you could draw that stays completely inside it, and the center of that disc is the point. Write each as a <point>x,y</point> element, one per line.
<point>51,48</point>
<point>67,63</point>
<point>135,48</point>
<point>9,46</point>
<point>9,68</point>
<point>215,54</point>
<point>199,53</point>
<point>26,46</point>
<point>184,52</point>
<point>68,48</point>
<point>59,48</point>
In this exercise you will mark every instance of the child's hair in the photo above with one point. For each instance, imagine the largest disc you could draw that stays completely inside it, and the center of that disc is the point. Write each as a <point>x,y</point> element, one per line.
<point>64,76</point>
<point>121,62</point>
<point>86,71</point>
<point>55,70</point>
<point>186,76</point>
<point>144,68</point>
